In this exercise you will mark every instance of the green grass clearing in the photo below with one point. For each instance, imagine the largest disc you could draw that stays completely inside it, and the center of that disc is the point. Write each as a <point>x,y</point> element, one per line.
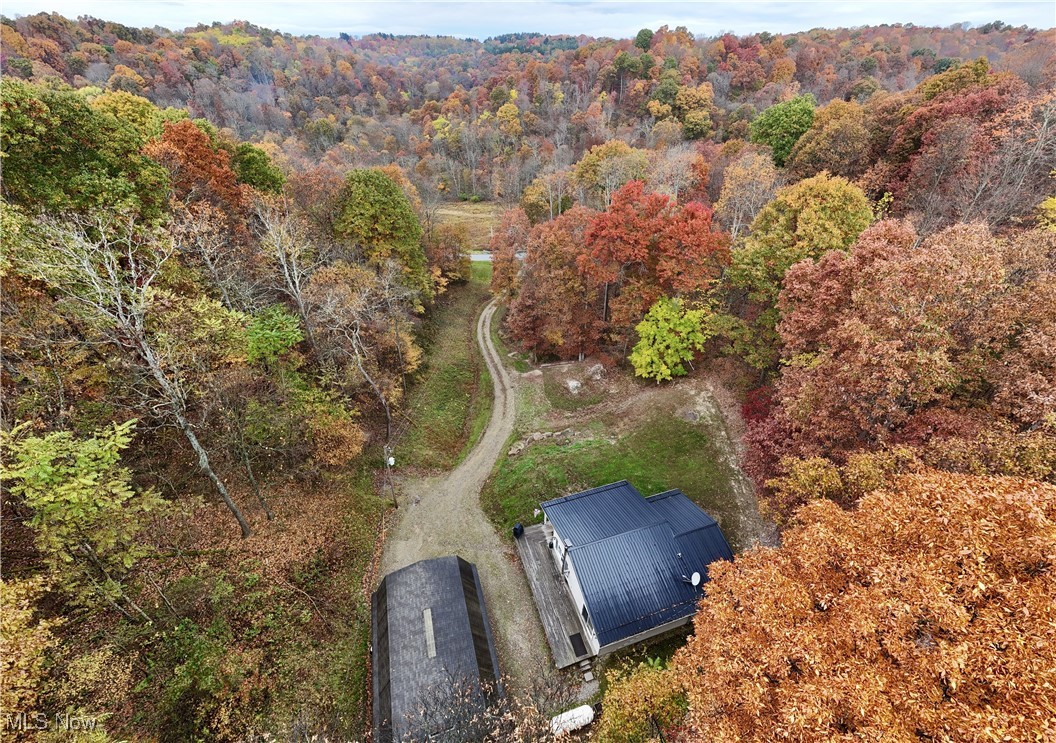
<point>518,360</point>
<point>484,400</point>
<point>450,401</point>
<point>663,452</point>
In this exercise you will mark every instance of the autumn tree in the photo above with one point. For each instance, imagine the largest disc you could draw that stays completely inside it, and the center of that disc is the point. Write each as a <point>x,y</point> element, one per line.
<point>748,183</point>
<point>645,246</point>
<point>932,321</point>
<point>693,107</point>
<point>1005,173</point>
<point>253,167</point>
<point>902,342</point>
<point>1046,214</point>
<point>26,638</point>
<point>199,169</point>
<point>314,194</point>
<point>397,175</point>
<point>557,309</point>
<point>803,222</point>
<point>836,142</point>
<point>677,171</point>
<point>229,270</point>
<point>146,118</point>
<point>51,376</point>
<point>509,238</point>
<point>86,515</point>
<point>872,623</point>
<point>376,217</point>
<point>780,126</point>
<point>110,271</point>
<point>966,144</point>
<point>548,196</point>
<point>605,168</point>
<point>447,250</point>
<point>807,479</point>
<point>359,313</point>
<point>61,154</point>
<point>244,393</point>
<point>669,335</point>
<point>286,240</point>
<point>640,702</point>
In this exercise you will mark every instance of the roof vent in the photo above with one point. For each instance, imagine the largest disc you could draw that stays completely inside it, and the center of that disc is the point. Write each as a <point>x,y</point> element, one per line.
<point>430,640</point>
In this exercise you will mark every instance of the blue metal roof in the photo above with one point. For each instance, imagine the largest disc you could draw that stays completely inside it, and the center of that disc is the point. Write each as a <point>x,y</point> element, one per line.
<point>634,557</point>
<point>683,514</point>
<point>599,513</point>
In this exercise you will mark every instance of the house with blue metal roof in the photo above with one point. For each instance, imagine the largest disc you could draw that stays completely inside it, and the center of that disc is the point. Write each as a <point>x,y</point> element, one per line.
<point>633,567</point>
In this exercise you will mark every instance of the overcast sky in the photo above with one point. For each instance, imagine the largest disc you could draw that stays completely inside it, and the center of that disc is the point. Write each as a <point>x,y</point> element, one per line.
<point>479,19</point>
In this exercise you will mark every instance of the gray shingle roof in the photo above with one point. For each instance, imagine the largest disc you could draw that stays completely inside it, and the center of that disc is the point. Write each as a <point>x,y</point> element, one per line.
<point>631,555</point>
<point>407,668</point>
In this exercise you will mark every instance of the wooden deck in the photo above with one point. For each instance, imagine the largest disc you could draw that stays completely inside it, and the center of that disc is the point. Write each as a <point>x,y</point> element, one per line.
<point>552,599</point>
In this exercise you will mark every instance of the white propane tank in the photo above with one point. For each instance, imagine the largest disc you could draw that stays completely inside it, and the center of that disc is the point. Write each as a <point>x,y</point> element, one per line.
<point>574,719</point>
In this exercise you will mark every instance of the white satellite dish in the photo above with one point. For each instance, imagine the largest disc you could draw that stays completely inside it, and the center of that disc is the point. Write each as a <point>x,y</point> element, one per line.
<point>695,579</point>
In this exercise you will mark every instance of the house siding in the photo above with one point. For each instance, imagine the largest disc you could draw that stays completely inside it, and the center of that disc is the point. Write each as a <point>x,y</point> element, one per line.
<point>580,601</point>
<point>560,554</point>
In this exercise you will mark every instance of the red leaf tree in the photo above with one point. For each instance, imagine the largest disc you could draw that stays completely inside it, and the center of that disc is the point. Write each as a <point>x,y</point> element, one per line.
<point>896,341</point>
<point>558,309</point>
<point>645,246</point>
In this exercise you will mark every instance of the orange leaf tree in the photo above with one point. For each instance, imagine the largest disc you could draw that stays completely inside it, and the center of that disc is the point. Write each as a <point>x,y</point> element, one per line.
<point>929,613</point>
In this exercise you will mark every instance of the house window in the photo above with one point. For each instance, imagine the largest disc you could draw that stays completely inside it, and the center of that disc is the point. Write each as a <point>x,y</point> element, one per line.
<point>586,617</point>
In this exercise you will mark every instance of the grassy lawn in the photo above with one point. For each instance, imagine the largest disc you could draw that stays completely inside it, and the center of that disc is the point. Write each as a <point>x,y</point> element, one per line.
<point>450,400</point>
<point>479,219</point>
<point>518,360</point>
<point>663,452</point>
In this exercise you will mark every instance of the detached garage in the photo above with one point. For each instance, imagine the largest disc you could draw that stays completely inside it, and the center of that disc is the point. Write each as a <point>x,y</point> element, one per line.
<point>431,637</point>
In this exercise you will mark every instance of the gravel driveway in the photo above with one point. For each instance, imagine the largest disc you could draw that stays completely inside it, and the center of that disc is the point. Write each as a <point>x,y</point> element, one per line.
<point>441,515</point>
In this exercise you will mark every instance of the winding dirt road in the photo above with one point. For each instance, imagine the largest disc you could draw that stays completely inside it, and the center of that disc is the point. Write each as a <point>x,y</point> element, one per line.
<point>441,515</point>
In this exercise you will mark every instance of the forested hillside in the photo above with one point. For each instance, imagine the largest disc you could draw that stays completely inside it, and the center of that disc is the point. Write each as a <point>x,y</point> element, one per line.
<point>486,119</point>
<point>222,256</point>
<point>202,359</point>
